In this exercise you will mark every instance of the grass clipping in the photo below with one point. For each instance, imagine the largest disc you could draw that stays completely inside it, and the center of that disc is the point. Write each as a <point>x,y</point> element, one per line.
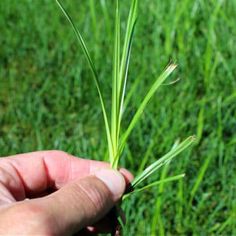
<point>121,58</point>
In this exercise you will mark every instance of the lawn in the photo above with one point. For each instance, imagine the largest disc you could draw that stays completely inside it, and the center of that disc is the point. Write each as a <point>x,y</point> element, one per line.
<point>49,101</point>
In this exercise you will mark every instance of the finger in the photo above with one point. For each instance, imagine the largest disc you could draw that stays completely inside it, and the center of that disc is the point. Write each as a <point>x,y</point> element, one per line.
<point>33,173</point>
<point>127,175</point>
<point>85,201</point>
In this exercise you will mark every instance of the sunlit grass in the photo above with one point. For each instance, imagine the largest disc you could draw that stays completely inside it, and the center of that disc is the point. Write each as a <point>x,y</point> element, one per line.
<point>116,141</point>
<point>49,101</point>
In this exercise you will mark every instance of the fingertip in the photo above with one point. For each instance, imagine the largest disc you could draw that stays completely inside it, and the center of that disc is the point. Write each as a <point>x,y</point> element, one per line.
<point>114,181</point>
<point>128,176</point>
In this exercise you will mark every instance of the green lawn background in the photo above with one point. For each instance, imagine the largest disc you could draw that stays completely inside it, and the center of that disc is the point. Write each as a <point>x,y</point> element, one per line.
<point>48,100</point>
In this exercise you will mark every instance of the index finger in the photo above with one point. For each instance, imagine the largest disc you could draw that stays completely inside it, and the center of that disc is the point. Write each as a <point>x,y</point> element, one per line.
<point>32,173</point>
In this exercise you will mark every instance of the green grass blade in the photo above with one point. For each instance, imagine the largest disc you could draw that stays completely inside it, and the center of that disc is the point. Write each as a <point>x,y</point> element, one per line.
<point>145,101</point>
<point>115,79</point>
<point>157,219</point>
<point>132,19</point>
<point>129,29</point>
<point>121,75</point>
<point>166,180</point>
<point>94,72</point>
<point>200,177</point>
<point>124,79</point>
<point>132,90</point>
<point>162,161</point>
<point>94,18</point>
<point>169,179</point>
<point>107,20</point>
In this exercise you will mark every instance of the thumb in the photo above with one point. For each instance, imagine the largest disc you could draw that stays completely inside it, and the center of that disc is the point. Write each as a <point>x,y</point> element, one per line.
<point>85,201</point>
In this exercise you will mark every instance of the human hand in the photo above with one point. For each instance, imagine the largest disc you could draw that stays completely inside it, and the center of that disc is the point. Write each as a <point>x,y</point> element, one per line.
<point>54,193</point>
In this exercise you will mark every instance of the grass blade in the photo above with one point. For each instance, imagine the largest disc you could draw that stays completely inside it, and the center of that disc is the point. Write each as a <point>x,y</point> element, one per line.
<point>162,161</point>
<point>127,42</point>
<point>107,18</point>
<point>132,19</point>
<point>169,179</point>
<point>157,219</point>
<point>115,80</point>
<point>153,184</point>
<point>145,101</point>
<point>119,86</point>
<point>94,72</point>
<point>200,177</point>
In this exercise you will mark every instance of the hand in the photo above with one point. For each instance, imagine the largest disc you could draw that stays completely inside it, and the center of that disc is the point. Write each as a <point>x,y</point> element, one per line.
<point>54,193</point>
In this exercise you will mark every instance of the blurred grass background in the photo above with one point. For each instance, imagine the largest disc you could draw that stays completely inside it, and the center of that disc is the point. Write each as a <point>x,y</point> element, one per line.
<point>48,100</point>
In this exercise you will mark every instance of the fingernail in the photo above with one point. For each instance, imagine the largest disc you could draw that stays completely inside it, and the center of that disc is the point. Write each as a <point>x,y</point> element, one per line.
<point>114,181</point>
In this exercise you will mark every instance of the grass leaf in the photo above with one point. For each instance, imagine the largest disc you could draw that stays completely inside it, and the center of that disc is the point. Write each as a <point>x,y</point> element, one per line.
<point>115,95</point>
<point>145,101</point>
<point>94,72</point>
<point>132,19</point>
<point>162,161</point>
<point>200,177</point>
<point>120,73</point>
<point>155,183</point>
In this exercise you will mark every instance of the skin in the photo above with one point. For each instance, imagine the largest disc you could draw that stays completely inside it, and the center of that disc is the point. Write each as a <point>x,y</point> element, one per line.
<point>54,193</point>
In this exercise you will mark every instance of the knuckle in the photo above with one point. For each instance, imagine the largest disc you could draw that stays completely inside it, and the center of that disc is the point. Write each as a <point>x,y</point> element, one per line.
<point>5,177</point>
<point>58,153</point>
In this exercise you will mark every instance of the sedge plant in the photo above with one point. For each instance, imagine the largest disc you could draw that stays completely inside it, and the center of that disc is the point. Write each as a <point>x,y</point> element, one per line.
<point>116,139</point>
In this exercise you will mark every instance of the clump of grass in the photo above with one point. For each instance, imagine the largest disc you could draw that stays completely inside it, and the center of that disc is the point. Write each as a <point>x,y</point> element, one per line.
<point>121,57</point>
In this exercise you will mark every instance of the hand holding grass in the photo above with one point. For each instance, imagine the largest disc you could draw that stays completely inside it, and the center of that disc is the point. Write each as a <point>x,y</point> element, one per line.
<point>53,193</point>
<point>116,140</point>
<point>77,199</point>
